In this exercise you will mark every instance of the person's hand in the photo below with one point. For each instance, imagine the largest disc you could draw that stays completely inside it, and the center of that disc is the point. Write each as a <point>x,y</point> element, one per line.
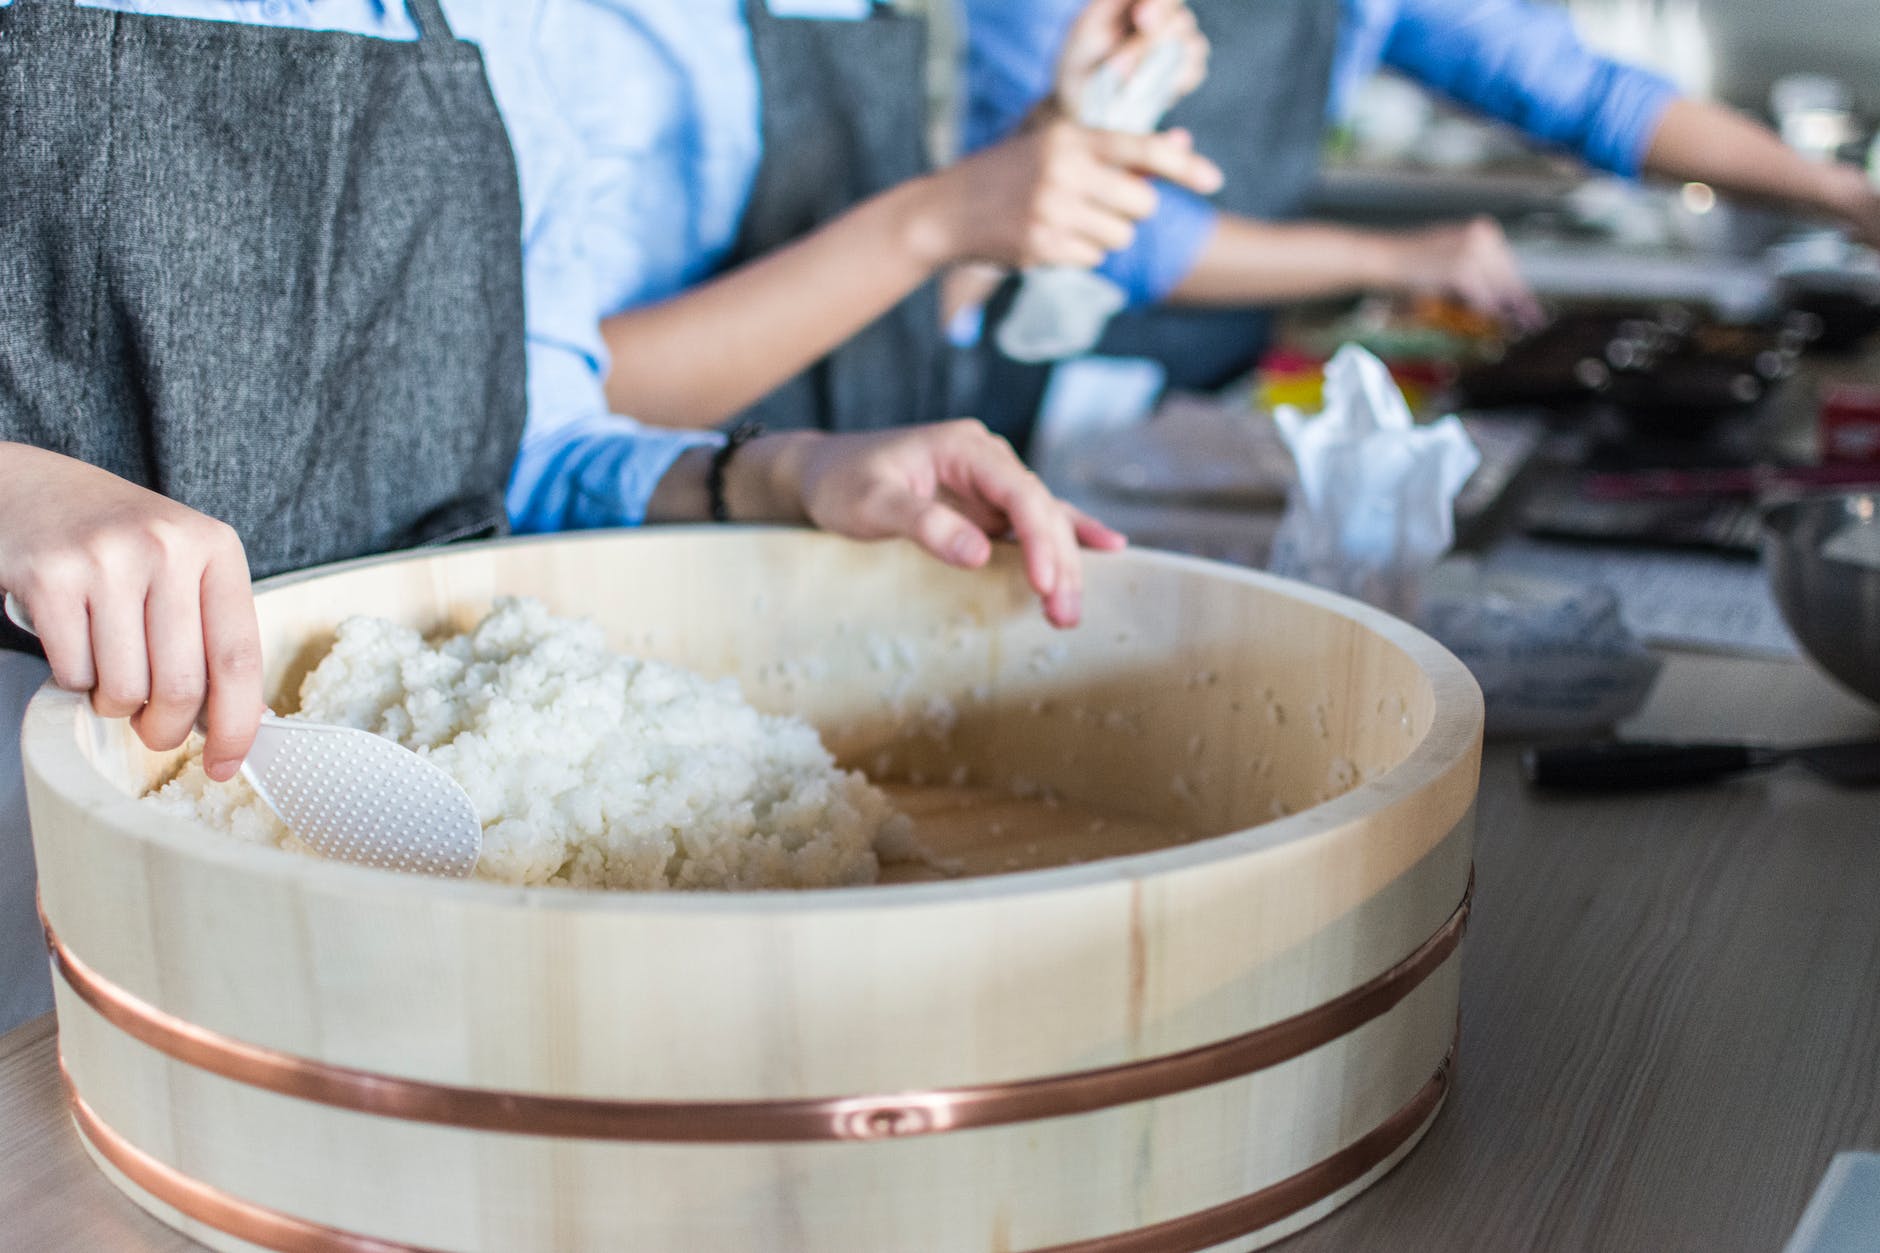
<point>138,600</point>
<point>1054,194</point>
<point>952,488</point>
<point>1471,262</point>
<point>1852,197</point>
<point>1120,33</point>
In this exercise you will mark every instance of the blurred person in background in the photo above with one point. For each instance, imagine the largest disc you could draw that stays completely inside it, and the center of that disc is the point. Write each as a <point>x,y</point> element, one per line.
<point>1203,273</point>
<point>771,223</point>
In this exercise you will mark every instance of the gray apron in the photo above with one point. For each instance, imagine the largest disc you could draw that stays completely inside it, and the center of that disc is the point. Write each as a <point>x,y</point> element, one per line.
<point>273,274</point>
<point>1261,116</point>
<point>844,118</point>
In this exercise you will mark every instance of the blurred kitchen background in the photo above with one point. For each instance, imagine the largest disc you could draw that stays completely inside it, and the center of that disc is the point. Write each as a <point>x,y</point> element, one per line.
<point>1812,66</point>
<point>1736,49</point>
<point>1702,361</point>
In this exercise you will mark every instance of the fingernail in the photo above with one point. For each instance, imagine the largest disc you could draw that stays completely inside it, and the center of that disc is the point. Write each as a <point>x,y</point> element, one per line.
<point>962,550</point>
<point>221,771</point>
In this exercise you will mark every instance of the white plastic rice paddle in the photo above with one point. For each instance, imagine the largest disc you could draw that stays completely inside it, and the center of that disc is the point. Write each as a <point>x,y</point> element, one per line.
<point>350,795</point>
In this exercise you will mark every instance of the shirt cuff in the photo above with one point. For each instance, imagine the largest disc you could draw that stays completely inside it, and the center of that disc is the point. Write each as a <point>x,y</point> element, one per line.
<point>1634,104</point>
<point>1167,245</point>
<point>599,471</point>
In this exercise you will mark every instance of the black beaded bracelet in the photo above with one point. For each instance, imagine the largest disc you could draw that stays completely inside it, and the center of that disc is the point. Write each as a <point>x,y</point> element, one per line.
<point>740,435</point>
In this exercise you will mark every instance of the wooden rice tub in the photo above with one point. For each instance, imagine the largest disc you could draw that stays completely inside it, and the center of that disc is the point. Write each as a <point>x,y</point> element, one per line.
<point>1194,989</point>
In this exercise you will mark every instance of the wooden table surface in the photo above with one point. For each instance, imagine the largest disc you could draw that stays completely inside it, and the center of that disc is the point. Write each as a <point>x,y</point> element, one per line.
<point>1671,1016</point>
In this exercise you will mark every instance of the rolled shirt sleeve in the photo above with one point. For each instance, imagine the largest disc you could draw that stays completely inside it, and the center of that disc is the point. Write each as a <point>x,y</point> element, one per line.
<point>580,466</point>
<point>597,470</point>
<point>1011,59</point>
<point>1167,246</point>
<point>1524,64</point>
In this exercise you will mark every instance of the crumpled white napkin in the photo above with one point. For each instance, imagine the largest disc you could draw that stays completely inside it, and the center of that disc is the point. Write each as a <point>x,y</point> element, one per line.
<point>1373,509</point>
<point>1060,311</point>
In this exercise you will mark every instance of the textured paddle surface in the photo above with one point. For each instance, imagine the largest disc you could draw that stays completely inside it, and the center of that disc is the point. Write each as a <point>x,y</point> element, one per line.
<point>353,796</point>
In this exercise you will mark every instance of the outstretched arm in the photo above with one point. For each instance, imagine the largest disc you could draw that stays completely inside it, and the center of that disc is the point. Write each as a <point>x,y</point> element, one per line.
<point>1250,262</point>
<point>1701,142</point>
<point>1054,194</point>
<point>1524,63</point>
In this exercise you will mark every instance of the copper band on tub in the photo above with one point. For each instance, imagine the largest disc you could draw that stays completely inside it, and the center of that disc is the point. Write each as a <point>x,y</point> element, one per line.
<point>212,1207</point>
<point>1191,1233</point>
<point>760,1121</point>
<point>1209,1228</point>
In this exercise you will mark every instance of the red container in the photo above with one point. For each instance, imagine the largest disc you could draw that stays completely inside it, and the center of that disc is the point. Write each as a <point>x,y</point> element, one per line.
<point>1850,423</point>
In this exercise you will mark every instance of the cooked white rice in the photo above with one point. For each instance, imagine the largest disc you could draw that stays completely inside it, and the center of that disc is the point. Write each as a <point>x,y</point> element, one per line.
<point>588,769</point>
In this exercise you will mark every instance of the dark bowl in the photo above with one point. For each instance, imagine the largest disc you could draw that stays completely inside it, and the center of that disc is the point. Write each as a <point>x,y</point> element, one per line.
<point>1847,304</point>
<point>1831,602</point>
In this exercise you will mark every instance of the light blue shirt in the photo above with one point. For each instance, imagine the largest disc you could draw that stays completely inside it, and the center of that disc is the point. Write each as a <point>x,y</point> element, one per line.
<point>678,193</point>
<point>575,120</point>
<point>671,118</point>
<point>1514,60</point>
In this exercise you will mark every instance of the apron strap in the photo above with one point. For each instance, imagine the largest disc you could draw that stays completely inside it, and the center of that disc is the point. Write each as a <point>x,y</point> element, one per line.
<point>432,25</point>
